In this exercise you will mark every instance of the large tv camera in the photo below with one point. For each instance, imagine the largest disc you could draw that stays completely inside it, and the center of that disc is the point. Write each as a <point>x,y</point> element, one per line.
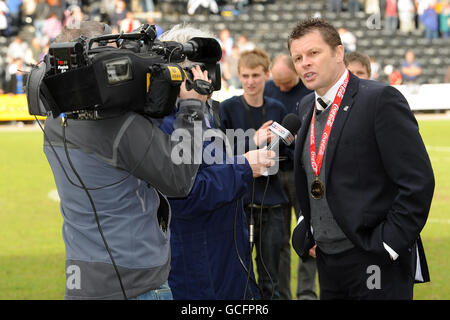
<point>112,73</point>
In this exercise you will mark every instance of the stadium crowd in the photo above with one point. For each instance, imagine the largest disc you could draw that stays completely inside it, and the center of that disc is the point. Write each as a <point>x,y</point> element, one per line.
<point>27,27</point>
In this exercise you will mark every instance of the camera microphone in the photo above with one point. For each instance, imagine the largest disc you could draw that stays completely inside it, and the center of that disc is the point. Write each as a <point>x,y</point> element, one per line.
<point>285,132</point>
<point>206,50</point>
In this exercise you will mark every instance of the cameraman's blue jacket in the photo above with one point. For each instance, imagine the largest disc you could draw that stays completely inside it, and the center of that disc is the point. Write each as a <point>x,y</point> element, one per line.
<point>210,233</point>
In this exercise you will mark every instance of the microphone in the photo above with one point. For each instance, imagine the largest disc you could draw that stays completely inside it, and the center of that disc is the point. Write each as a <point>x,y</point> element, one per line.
<point>285,133</point>
<point>291,124</point>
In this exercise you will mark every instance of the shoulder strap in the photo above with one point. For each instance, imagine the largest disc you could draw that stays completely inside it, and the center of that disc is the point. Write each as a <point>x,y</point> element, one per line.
<point>249,115</point>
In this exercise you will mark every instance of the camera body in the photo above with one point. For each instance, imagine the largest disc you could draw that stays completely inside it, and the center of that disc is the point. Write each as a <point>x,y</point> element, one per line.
<point>139,74</point>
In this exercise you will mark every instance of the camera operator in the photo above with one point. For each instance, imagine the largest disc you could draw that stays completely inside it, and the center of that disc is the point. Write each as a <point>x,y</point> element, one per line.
<point>113,176</point>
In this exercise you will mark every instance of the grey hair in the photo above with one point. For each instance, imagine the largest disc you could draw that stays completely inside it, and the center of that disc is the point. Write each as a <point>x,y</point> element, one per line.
<point>183,33</point>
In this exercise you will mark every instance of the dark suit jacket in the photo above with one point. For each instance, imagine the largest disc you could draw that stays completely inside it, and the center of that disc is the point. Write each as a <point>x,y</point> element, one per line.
<point>379,180</point>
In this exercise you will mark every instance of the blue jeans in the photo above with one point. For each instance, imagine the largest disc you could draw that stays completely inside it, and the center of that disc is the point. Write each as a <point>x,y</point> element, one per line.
<point>390,23</point>
<point>147,5</point>
<point>163,293</point>
<point>431,34</point>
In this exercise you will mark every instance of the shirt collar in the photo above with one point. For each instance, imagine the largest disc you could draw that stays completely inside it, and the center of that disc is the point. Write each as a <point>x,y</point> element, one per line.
<point>329,96</point>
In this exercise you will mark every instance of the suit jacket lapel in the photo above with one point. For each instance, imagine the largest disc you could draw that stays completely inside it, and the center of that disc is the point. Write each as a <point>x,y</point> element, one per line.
<point>300,175</point>
<point>339,123</point>
<point>306,120</point>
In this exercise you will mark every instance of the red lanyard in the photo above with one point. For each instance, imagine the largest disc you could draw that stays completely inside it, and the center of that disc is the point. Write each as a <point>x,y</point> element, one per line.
<point>316,160</point>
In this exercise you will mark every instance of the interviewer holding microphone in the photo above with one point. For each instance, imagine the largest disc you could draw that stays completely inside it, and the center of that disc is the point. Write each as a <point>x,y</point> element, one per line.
<point>210,238</point>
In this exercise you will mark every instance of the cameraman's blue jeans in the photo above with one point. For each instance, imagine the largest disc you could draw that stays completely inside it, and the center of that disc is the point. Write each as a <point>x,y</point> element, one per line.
<point>163,293</point>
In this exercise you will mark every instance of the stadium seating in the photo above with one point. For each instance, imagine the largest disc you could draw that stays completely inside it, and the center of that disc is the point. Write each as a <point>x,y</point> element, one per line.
<point>268,26</point>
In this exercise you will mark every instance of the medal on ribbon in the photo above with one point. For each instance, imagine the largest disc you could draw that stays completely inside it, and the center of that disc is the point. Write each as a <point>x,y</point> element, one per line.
<point>317,186</point>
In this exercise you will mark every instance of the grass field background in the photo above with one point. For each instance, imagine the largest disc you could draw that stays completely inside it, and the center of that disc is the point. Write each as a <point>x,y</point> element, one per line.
<point>32,249</point>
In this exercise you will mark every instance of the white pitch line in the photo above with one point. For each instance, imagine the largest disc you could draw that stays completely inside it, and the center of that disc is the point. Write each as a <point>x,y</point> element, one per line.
<point>53,195</point>
<point>438,148</point>
<point>440,221</point>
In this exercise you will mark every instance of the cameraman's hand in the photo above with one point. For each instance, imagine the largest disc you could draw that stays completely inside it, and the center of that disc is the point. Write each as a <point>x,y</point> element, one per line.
<point>192,94</point>
<point>260,160</point>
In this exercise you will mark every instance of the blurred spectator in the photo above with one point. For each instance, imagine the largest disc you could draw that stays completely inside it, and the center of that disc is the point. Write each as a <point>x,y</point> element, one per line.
<point>52,26</point>
<point>421,5</point>
<point>287,87</point>
<point>40,15</point>
<point>395,78</point>
<point>14,11</point>
<point>447,75</point>
<point>372,7</point>
<point>348,39</point>
<point>230,68</point>
<point>334,6</point>
<point>444,19</point>
<point>244,44</point>
<point>3,19</point>
<point>2,73</point>
<point>193,5</point>
<point>430,20</point>
<point>353,6</point>
<point>35,49</point>
<point>74,16</point>
<point>159,29</point>
<point>147,5</point>
<point>15,77</point>
<point>406,14</point>
<point>226,42</point>
<point>108,7</point>
<point>375,69</point>
<point>129,23</point>
<point>120,13</point>
<point>28,8</point>
<point>359,64</point>
<point>240,4</point>
<point>16,49</point>
<point>411,69</point>
<point>391,16</point>
<point>394,75</point>
<point>56,6</point>
<point>44,51</point>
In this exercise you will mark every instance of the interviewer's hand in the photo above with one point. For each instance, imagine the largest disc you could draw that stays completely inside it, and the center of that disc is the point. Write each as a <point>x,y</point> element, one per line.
<point>260,160</point>
<point>263,134</point>
<point>192,94</point>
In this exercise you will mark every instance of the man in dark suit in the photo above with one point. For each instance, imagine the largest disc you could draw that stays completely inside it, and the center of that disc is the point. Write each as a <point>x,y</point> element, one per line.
<point>363,176</point>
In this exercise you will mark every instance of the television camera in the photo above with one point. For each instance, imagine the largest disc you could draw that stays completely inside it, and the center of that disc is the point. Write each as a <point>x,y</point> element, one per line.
<point>113,73</point>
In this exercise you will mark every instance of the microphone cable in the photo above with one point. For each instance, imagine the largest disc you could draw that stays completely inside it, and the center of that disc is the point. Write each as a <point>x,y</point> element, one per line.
<point>99,227</point>
<point>86,190</point>
<point>251,243</point>
<point>251,233</point>
<point>247,270</point>
<point>260,238</point>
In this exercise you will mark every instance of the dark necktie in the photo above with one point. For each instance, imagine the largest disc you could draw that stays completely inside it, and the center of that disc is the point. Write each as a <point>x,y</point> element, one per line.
<point>322,103</point>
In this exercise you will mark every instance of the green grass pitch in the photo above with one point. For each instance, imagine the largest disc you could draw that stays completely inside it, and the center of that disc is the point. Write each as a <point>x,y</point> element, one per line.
<point>32,250</point>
